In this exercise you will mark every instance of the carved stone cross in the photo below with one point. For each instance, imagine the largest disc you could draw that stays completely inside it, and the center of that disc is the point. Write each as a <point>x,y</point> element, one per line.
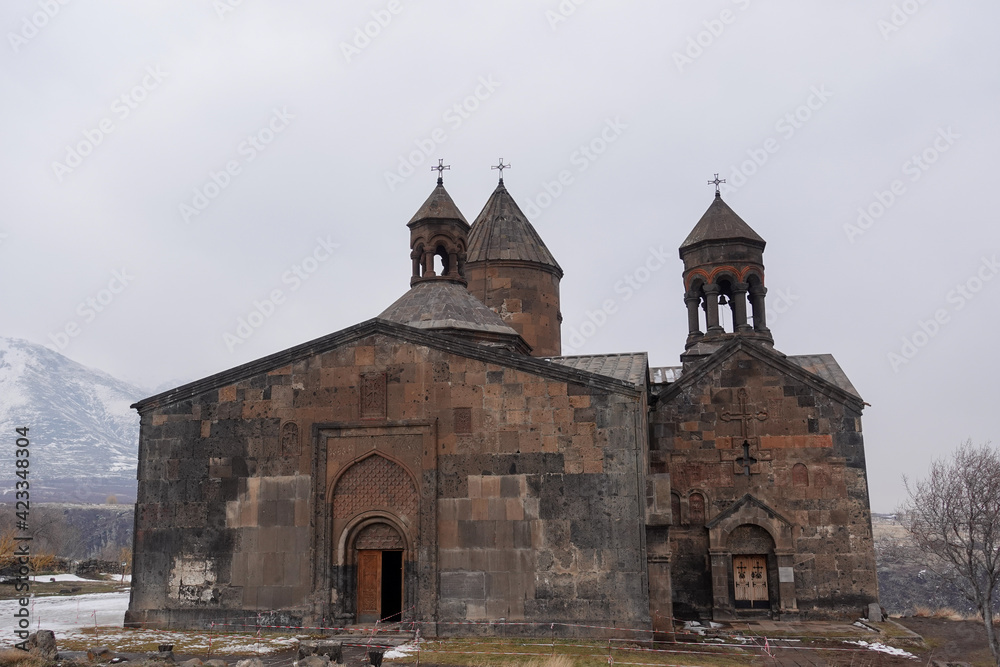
<point>745,416</point>
<point>746,461</point>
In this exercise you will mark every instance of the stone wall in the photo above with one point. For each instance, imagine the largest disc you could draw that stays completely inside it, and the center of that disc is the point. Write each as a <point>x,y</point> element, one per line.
<point>807,484</point>
<point>515,490</point>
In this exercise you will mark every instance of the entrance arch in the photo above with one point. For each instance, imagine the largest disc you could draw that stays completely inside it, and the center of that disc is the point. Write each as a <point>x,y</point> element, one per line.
<point>374,507</point>
<point>750,534</point>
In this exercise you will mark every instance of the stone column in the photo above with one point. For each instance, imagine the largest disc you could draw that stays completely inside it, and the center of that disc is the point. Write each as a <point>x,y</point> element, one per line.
<point>739,301</point>
<point>722,606</point>
<point>452,264</point>
<point>692,301</point>
<point>415,256</point>
<point>712,309</point>
<point>757,294</point>
<point>429,264</point>
<point>787,603</point>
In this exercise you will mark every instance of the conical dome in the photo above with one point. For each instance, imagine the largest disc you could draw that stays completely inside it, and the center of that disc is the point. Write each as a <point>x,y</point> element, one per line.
<point>509,269</point>
<point>502,232</point>
<point>720,223</point>
<point>439,206</point>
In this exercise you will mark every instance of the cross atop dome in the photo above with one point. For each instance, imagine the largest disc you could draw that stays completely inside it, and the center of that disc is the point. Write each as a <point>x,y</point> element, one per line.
<point>716,183</point>
<point>442,167</point>
<point>501,167</point>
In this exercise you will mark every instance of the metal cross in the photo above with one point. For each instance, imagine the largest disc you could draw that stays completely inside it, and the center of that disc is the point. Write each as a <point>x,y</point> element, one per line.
<point>745,416</point>
<point>716,183</point>
<point>501,167</point>
<point>746,460</point>
<point>440,169</point>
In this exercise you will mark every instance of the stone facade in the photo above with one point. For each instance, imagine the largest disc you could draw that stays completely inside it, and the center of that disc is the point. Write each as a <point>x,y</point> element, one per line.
<point>511,486</point>
<point>427,466</point>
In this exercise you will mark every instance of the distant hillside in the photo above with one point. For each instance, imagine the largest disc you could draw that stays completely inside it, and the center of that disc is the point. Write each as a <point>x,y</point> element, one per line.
<point>904,580</point>
<point>84,437</point>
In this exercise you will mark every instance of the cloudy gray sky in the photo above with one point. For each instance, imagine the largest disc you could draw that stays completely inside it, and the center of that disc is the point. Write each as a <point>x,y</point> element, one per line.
<point>168,165</point>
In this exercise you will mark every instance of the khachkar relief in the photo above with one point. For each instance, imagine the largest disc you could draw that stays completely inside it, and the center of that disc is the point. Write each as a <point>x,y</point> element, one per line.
<point>745,452</point>
<point>373,396</point>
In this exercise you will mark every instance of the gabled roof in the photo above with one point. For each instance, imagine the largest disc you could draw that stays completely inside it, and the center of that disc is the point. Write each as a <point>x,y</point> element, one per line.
<point>825,366</point>
<point>720,223</point>
<point>823,379</point>
<point>631,368</point>
<point>502,232</point>
<point>439,206</point>
<point>750,500</point>
<point>400,332</point>
<point>444,305</point>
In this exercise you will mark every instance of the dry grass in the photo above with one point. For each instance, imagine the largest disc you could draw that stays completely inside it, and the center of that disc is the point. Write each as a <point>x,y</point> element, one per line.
<point>944,613</point>
<point>13,657</point>
<point>540,652</point>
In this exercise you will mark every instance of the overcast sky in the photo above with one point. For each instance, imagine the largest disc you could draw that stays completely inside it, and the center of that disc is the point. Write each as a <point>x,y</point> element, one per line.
<point>177,162</point>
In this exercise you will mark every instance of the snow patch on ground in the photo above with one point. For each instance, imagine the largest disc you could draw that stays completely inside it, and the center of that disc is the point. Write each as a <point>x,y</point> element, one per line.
<point>882,648</point>
<point>64,613</point>
<point>400,651</point>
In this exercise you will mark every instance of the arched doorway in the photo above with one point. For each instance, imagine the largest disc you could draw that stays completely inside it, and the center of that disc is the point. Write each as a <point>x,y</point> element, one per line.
<point>379,552</point>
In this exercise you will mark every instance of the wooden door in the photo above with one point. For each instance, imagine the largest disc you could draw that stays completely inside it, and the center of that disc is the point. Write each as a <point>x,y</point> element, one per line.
<point>750,579</point>
<point>369,586</point>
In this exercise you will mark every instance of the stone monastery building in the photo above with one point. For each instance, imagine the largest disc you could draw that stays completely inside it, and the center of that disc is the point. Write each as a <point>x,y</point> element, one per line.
<point>444,464</point>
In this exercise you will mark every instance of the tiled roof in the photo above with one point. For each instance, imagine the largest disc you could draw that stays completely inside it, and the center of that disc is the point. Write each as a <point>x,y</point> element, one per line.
<point>440,206</point>
<point>444,305</point>
<point>629,368</point>
<point>826,367</point>
<point>502,232</point>
<point>665,374</point>
<point>720,223</point>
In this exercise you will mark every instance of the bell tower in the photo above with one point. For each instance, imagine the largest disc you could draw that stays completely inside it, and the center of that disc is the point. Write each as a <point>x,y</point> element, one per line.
<point>723,276</point>
<point>438,237</point>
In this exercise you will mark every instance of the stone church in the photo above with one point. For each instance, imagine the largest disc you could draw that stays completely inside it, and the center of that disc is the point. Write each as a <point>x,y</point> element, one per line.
<point>443,464</point>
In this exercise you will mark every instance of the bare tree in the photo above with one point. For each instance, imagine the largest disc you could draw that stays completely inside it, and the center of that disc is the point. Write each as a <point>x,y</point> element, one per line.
<point>954,517</point>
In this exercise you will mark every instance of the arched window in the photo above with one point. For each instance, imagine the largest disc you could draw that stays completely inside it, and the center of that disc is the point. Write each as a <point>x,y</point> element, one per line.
<point>696,509</point>
<point>675,508</point>
<point>800,475</point>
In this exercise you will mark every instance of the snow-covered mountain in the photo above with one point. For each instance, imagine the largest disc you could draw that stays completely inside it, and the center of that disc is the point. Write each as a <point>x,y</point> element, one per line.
<point>84,437</point>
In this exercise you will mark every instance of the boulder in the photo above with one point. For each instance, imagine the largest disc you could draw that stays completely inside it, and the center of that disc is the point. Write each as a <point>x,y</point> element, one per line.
<point>215,662</point>
<point>875,613</point>
<point>99,654</point>
<point>250,662</point>
<point>43,644</point>
<point>334,650</point>
<point>314,661</point>
<point>193,662</point>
